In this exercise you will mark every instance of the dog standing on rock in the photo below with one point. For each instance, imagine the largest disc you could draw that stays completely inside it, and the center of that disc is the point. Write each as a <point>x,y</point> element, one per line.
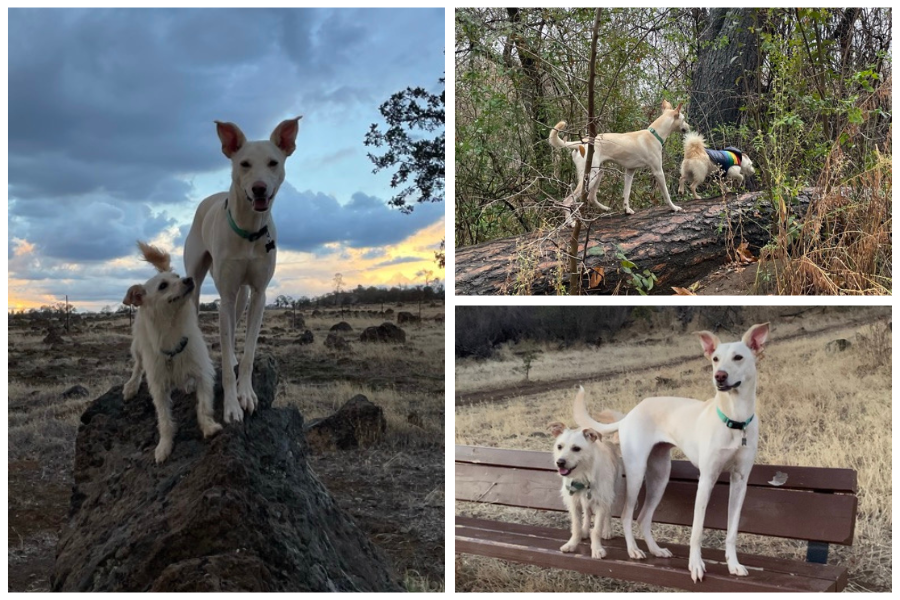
<point>169,347</point>
<point>719,434</point>
<point>233,235</point>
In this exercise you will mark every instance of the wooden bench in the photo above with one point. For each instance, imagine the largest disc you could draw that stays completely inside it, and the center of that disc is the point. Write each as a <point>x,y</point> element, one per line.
<point>814,504</point>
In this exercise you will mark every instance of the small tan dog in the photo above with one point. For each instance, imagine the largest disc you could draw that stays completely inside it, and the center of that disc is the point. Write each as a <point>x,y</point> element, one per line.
<point>699,162</point>
<point>169,347</point>
<point>633,150</point>
<point>591,479</point>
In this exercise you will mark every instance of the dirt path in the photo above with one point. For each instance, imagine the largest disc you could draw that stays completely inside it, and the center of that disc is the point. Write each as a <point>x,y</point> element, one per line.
<point>533,388</point>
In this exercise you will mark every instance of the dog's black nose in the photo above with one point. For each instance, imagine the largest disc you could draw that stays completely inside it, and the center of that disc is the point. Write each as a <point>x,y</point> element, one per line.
<point>188,281</point>
<point>259,189</point>
<point>561,462</point>
<point>721,376</point>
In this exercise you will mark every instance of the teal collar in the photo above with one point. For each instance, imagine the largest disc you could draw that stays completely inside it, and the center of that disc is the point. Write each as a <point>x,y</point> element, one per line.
<point>733,424</point>
<point>250,237</point>
<point>577,486</point>
<point>182,344</point>
<point>656,135</point>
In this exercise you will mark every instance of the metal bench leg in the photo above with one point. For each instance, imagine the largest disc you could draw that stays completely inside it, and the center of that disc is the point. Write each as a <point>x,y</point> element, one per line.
<point>817,552</point>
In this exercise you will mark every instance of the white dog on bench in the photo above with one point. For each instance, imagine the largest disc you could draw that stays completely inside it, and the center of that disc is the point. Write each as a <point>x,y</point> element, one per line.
<point>715,435</point>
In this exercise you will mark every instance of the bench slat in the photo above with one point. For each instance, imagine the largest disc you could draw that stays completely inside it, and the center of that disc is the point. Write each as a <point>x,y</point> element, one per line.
<point>767,511</point>
<point>799,478</point>
<point>540,546</point>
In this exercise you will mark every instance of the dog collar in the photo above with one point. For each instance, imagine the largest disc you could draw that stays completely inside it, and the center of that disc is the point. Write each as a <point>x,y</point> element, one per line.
<point>733,424</point>
<point>170,354</point>
<point>577,486</point>
<point>656,135</point>
<point>250,237</point>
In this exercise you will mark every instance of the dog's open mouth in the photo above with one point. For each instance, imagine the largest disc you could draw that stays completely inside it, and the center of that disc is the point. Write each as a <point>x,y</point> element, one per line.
<point>565,472</point>
<point>260,203</point>
<point>728,388</point>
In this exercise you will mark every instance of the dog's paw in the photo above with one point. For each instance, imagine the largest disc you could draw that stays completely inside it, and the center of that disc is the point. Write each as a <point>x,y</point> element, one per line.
<point>662,552</point>
<point>676,208</point>
<point>130,390</point>
<point>569,546</point>
<point>629,211</point>
<point>697,568</point>
<point>636,553</point>
<point>737,569</point>
<point>247,398</point>
<point>210,429</point>
<point>163,450</point>
<point>233,411</point>
<point>598,552</point>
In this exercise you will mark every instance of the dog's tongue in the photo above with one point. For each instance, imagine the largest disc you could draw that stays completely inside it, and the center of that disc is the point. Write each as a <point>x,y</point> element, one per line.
<point>563,471</point>
<point>260,204</point>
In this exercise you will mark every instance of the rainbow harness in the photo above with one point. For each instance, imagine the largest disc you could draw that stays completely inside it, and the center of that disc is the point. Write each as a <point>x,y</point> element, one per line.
<point>727,158</point>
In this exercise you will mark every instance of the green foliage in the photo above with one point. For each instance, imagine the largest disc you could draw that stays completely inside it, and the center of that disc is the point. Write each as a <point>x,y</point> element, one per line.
<point>641,281</point>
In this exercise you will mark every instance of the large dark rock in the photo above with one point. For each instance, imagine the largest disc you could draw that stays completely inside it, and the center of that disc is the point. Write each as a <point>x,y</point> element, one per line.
<point>342,326</point>
<point>385,333</point>
<point>238,512</point>
<point>406,317</point>
<point>337,343</point>
<point>357,422</point>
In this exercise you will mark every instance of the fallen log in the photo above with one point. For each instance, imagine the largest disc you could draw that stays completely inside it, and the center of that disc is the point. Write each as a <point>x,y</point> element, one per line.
<point>678,248</point>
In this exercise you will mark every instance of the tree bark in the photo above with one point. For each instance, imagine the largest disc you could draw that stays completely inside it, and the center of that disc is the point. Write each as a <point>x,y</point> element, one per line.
<point>726,57</point>
<point>679,248</point>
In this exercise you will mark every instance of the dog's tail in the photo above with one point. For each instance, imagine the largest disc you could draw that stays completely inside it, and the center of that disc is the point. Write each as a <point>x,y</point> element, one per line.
<point>155,256</point>
<point>694,145</point>
<point>584,419</point>
<point>558,142</point>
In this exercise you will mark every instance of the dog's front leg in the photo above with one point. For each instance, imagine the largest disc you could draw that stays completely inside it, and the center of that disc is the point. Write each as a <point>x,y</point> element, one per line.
<point>232,410</point>
<point>661,180</point>
<point>134,383</point>
<point>575,518</point>
<point>246,396</point>
<point>205,417</point>
<point>737,490</point>
<point>600,517</point>
<point>163,404</point>
<point>704,490</point>
<point>629,177</point>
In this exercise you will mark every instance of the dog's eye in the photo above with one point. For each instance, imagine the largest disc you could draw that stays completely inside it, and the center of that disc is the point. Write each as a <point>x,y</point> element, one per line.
<point>559,447</point>
<point>245,164</point>
<point>576,449</point>
<point>715,359</point>
<point>273,163</point>
<point>163,285</point>
<point>738,357</point>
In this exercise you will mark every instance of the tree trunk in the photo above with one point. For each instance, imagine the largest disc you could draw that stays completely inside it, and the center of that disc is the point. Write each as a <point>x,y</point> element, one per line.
<point>727,56</point>
<point>678,248</point>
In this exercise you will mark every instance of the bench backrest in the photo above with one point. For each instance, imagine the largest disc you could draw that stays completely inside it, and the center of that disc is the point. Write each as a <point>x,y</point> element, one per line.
<point>813,504</point>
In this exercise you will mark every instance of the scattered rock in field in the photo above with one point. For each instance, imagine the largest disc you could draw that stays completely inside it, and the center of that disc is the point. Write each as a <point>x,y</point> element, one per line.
<point>53,338</point>
<point>386,333</point>
<point>342,326</point>
<point>316,313</point>
<point>238,512</point>
<point>298,322</point>
<point>439,317</point>
<point>336,342</point>
<point>838,345</point>
<point>663,381</point>
<point>357,422</point>
<point>305,338</point>
<point>76,391</point>
<point>388,311</point>
<point>539,434</point>
<point>414,418</point>
<point>406,317</point>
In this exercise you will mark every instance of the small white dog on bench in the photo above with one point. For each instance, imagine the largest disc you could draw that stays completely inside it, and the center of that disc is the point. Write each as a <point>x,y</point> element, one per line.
<point>169,347</point>
<point>591,477</point>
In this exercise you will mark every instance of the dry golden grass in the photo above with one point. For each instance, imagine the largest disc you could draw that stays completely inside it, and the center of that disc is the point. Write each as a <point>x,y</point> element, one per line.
<point>815,409</point>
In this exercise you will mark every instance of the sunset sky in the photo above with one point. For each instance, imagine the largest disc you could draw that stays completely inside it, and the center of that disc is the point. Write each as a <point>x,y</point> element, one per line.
<point>111,140</point>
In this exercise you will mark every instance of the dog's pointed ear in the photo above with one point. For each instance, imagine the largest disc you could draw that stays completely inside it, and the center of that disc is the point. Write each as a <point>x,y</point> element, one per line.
<point>756,337</point>
<point>556,428</point>
<point>678,109</point>
<point>231,136</point>
<point>590,434</point>
<point>709,341</point>
<point>135,296</point>
<point>285,135</point>
<point>666,105</point>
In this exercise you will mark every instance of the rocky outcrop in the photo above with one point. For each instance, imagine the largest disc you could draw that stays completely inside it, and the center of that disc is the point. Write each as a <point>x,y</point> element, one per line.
<point>357,422</point>
<point>387,333</point>
<point>238,512</point>
<point>342,326</point>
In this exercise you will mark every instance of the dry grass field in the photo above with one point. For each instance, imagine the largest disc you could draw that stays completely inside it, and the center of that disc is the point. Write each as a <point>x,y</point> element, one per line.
<point>816,408</point>
<point>394,488</point>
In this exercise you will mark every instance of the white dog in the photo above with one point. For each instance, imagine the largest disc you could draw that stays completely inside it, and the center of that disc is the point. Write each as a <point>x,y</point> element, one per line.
<point>169,347</point>
<point>699,161</point>
<point>591,475</point>
<point>234,235</point>
<point>718,434</point>
<point>633,150</point>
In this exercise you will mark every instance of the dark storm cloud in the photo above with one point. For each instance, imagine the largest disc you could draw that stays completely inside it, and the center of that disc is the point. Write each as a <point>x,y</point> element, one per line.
<point>307,220</point>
